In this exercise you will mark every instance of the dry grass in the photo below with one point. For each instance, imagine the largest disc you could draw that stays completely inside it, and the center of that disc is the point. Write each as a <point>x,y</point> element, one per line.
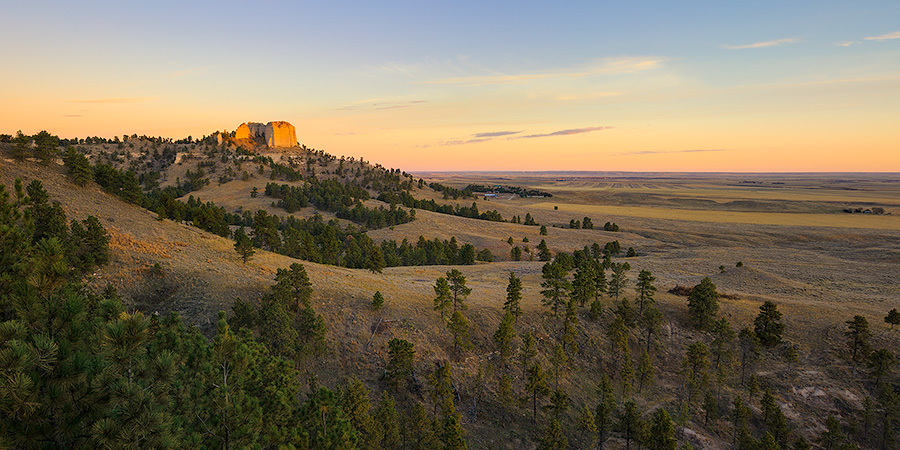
<point>840,220</point>
<point>819,276</point>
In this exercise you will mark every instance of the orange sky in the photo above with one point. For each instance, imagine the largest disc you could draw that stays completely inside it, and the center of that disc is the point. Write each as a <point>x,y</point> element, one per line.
<point>762,87</point>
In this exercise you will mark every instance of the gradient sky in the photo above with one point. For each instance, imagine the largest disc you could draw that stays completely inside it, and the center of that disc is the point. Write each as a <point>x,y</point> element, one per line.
<point>476,85</point>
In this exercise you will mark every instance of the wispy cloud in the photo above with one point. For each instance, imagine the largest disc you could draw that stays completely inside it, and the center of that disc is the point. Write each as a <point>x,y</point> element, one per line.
<point>601,67</point>
<point>462,142</point>
<point>114,100</point>
<point>775,43</point>
<point>845,43</point>
<point>655,152</point>
<point>73,115</point>
<point>884,37</point>
<point>568,132</point>
<point>379,104</point>
<point>493,134</point>
<point>478,138</point>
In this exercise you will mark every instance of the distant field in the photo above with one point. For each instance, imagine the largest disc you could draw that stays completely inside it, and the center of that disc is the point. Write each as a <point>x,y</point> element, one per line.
<point>726,193</point>
<point>754,218</point>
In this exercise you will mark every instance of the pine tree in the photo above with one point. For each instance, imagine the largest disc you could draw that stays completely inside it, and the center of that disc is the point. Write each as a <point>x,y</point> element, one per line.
<point>233,416</point>
<point>513,296</point>
<point>559,403</point>
<point>375,260</point>
<point>458,289</point>
<point>453,434</point>
<point>504,336</point>
<point>45,145</point>
<point>721,348</point>
<point>459,327</point>
<point>892,317</point>
<point>777,425</point>
<point>650,321</point>
<point>555,285</point>
<point>645,289</point>
<point>801,444</point>
<point>528,351</point>
<point>740,418</point>
<point>536,386</point>
<point>505,389</point>
<point>443,299</point>
<point>696,368</point>
<point>78,167</point>
<point>752,386</point>
<point>441,390</point>
<point>630,423</point>
<point>583,288</point>
<point>400,366</point>
<point>749,346</point>
<point>554,438</point>
<point>768,325</point>
<point>626,312</point>
<point>243,245</point>
<point>377,301</point>
<point>617,333</point>
<point>586,426</point>
<point>703,304</point>
<point>419,434</point>
<point>387,419</point>
<point>559,360</point>
<point>881,362</point>
<point>833,435</point>
<point>627,373</point>
<point>287,322</point>
<point>858,335</point>
<point>710,407</point>
<point>88,245</point>
<point>645,371</point>
<point>619,279</point>
<point>605,408</point>
<point>356,405</point>
<point>661,435</point>
<point>544,251</point>
<point>600,283</point>
<point>20,150</point>
<point>570,329</point>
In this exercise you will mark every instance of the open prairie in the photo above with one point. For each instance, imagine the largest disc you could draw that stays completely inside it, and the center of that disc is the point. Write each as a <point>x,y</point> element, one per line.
<point>796,244</point>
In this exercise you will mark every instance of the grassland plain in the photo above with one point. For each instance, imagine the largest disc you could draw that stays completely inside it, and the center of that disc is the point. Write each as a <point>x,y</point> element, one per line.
<point>820,276</point>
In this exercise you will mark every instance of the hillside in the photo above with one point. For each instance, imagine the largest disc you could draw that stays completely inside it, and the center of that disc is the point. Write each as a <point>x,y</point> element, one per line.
<point>819,278</point>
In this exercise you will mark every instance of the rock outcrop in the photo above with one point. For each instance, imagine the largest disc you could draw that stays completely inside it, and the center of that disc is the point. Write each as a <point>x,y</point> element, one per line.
<point>274,134</point>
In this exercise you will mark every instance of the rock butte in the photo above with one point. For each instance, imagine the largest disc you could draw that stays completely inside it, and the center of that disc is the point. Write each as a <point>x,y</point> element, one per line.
<point>275,134</point>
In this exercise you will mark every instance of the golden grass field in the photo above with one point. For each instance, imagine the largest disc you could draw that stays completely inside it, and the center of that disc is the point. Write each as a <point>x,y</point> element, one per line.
<point>842,220</point>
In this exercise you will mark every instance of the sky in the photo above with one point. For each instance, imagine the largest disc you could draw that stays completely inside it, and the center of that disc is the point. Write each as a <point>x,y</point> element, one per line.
<point>762,86</point>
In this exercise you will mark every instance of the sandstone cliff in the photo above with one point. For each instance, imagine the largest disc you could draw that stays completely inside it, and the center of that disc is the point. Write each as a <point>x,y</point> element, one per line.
<point>274,134</point>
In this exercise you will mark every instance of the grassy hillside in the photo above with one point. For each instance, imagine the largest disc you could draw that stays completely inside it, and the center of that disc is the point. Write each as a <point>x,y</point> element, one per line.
<point>819,277</point>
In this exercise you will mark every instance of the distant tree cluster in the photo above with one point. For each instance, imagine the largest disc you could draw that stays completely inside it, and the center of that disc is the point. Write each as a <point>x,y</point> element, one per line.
<point>527,221</point>
<point>506,189</point>
<point>345,200</point>
<point>407,200</point>
<point>451,192</point>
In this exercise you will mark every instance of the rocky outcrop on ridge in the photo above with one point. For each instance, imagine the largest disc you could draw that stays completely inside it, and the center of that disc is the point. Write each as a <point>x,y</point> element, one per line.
<point>274,134</point>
